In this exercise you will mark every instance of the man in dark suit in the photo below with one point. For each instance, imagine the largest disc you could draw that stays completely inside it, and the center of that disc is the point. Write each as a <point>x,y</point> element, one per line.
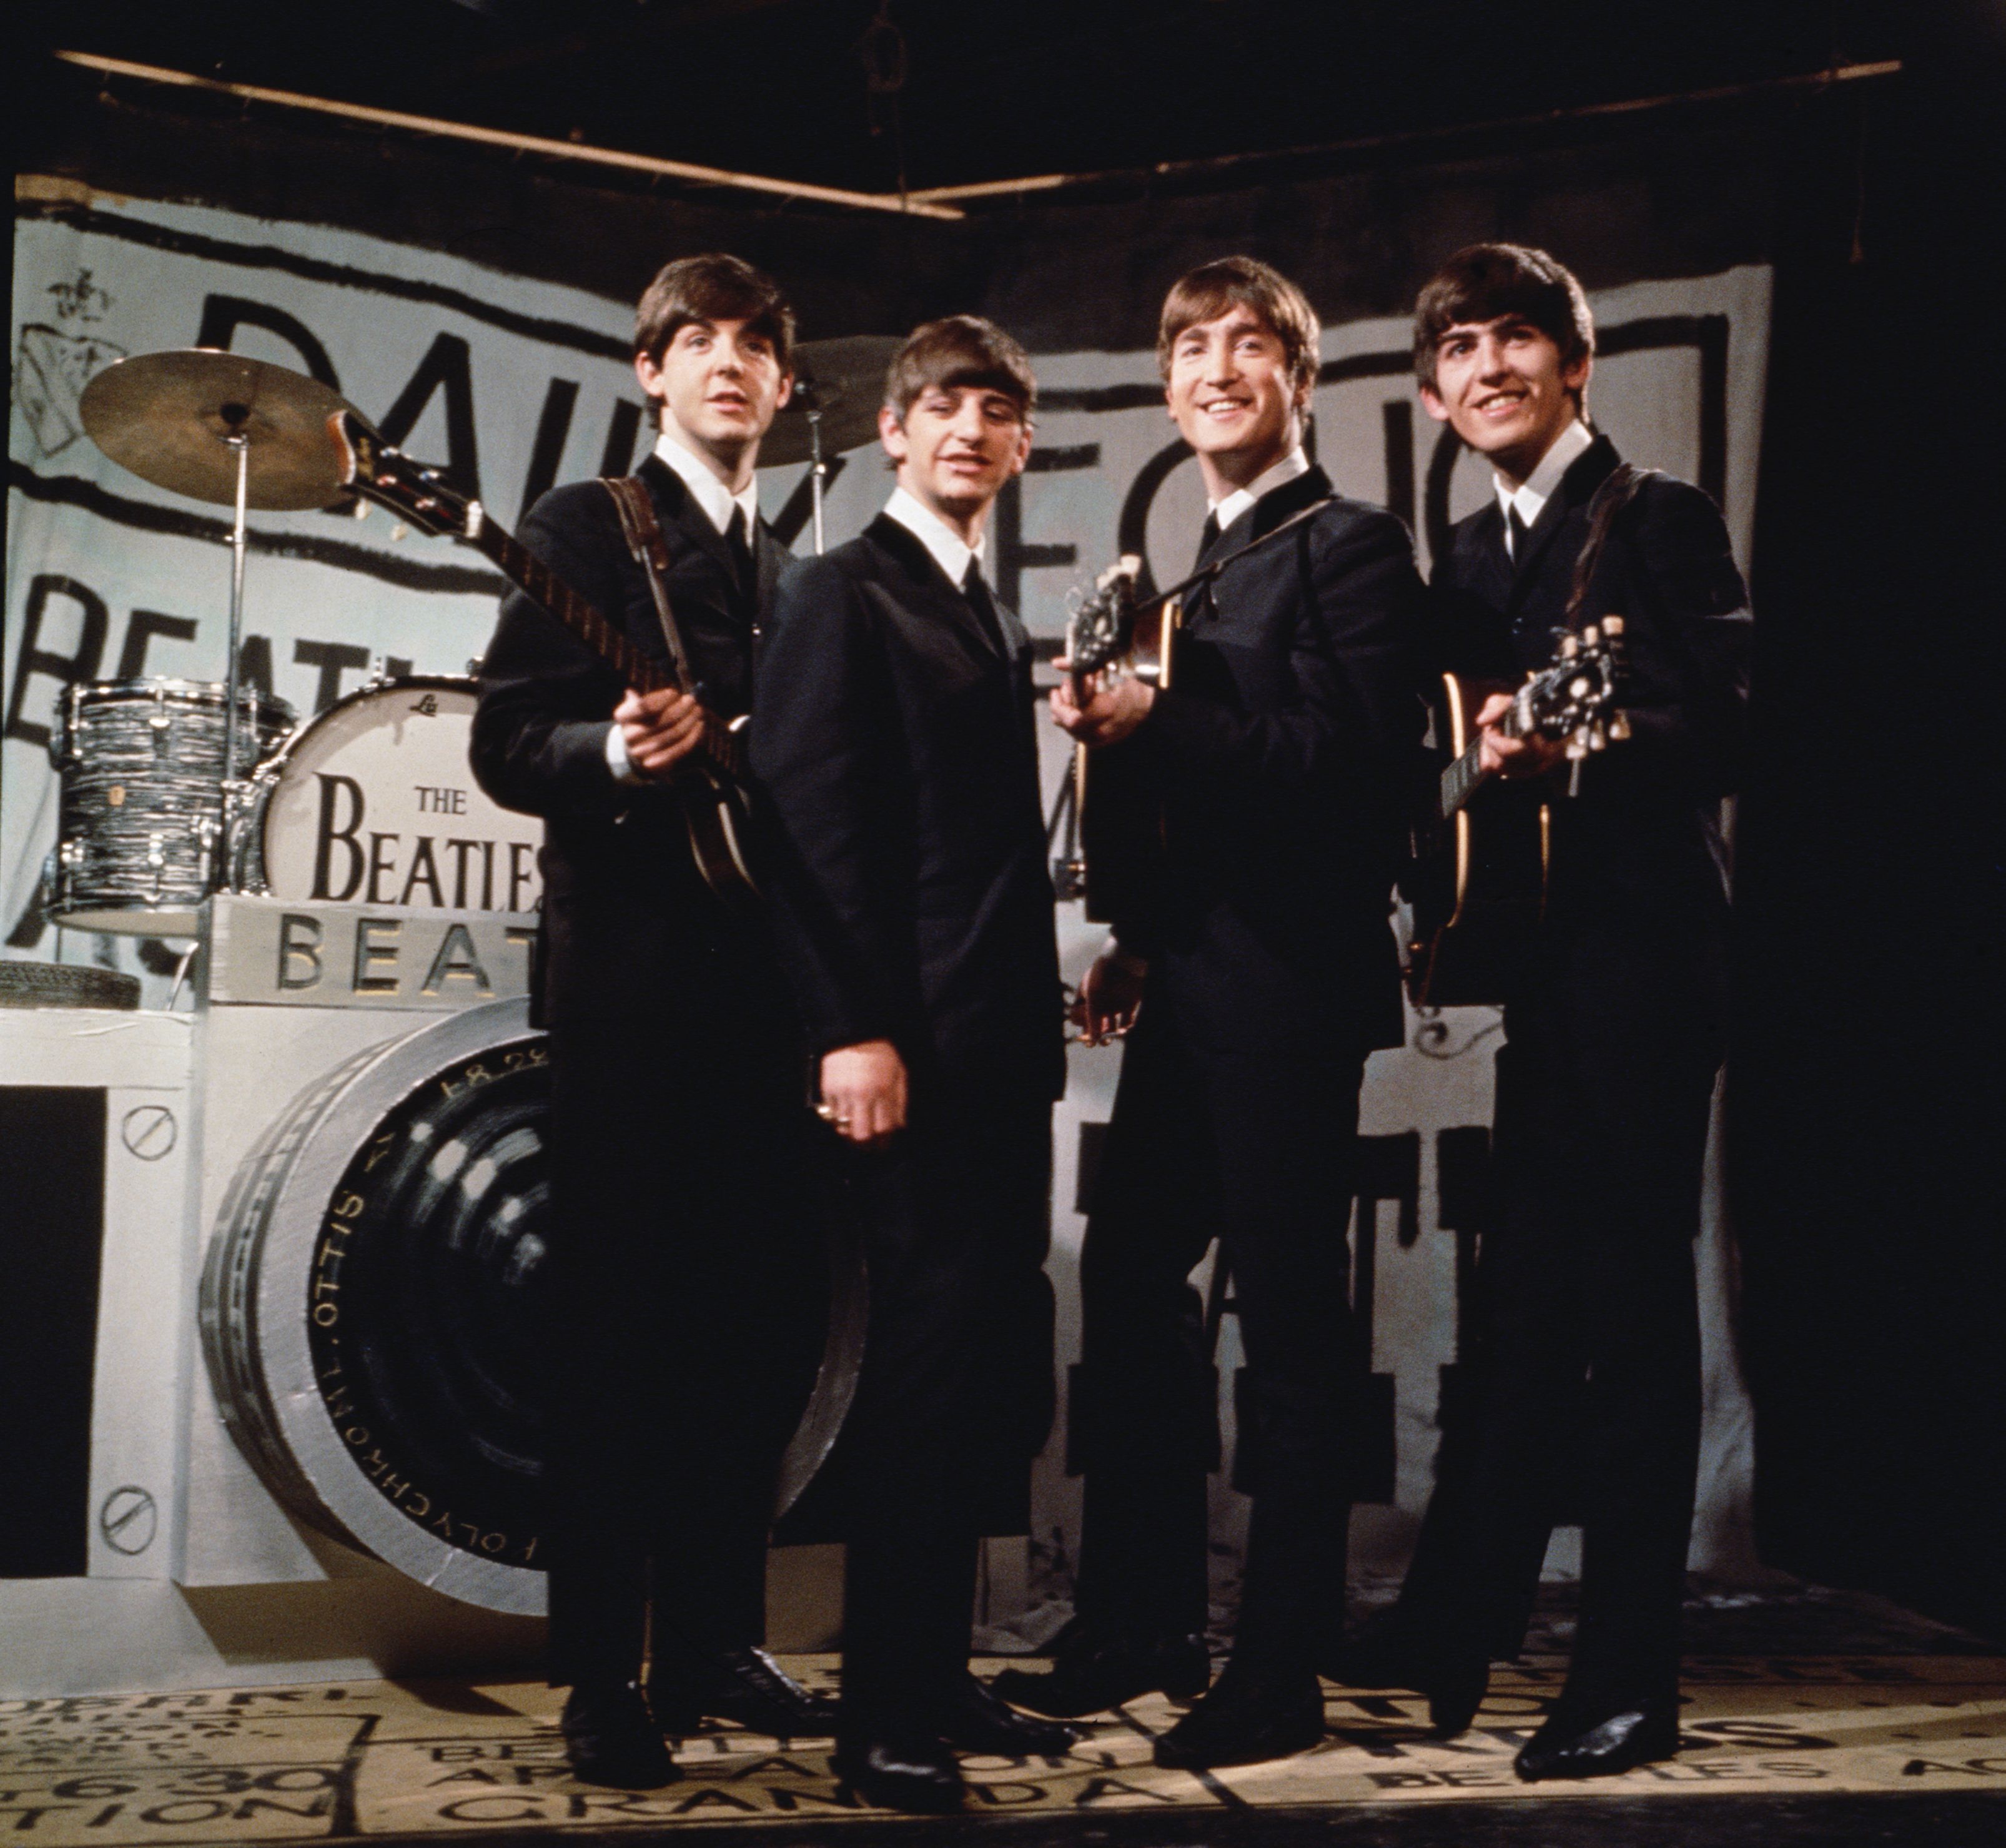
<point>896,744</point>
<point>1588,1347</point>
<point>681,1233</point>
<point>1259,971</point>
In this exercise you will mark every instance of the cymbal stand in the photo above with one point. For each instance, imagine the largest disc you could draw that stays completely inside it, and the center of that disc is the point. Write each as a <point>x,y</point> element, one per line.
<point>818,467</point>
<point>236,415</point>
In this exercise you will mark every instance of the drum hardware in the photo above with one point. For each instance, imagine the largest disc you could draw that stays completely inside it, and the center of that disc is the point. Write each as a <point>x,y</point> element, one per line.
<point>216,427</point>
<point>839,386</point>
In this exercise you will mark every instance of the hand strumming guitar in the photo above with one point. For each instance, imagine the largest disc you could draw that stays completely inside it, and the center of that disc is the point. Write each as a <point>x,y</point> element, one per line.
<point>661,728</point>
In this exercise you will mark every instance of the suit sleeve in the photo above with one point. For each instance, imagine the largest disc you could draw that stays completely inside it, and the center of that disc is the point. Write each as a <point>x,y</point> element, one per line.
<point>822,752</point>
<point>1352,656</point>
<point>540,734</point>
<point>1688,708</point>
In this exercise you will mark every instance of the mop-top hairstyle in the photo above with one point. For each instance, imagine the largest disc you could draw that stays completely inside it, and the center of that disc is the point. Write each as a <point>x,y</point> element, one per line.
<point>959,352</point>
<point>1211,289</point>
<point>1483,281</point>
<point>713,287</point>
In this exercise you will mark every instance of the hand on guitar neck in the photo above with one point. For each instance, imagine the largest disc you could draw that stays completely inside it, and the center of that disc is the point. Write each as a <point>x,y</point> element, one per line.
<point>661,728</point>
<point>1503,752</point>
<point>1095,712</point>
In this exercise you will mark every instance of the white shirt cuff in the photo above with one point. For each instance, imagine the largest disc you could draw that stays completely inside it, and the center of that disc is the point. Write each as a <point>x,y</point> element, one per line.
<point>616,759</point>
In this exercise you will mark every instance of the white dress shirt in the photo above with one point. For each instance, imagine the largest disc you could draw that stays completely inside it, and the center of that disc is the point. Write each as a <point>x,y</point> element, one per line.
<point>1529,498</point>
<point>951,552</point>
<point>717,501</point>
<point>1227,511</point>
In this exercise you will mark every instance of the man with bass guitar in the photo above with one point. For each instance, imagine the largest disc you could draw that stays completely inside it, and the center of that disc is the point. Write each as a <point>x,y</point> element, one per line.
<point>1588,1347</point>
<point>683,1231</point>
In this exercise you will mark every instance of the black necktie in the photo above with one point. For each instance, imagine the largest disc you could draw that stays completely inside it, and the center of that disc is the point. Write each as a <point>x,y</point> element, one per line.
<point>984,607</point>
<point>1207,535</point>
<point>1517,522</point>
<point>742,552</point>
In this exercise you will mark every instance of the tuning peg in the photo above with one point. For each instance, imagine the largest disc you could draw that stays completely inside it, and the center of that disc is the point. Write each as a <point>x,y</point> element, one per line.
<point>1619,725</point>
<point>1612,627</point>
<point>1570,647</point>
<point>1598,737</point>
<point>1591,637</point>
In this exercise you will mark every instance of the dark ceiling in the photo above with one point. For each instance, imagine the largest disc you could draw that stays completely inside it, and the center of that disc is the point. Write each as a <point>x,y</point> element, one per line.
<point>860,93</point>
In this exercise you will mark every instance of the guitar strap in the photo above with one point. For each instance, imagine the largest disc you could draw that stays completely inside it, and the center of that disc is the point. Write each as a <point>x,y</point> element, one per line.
<point>637,519</point>
<point>1617,491</point>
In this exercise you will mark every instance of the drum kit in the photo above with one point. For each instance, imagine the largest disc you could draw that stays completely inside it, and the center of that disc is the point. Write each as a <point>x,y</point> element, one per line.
<point>174,789</point>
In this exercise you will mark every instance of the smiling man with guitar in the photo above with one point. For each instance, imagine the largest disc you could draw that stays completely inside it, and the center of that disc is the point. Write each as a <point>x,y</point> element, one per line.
<point>1258,969</point>
<point>1588,1350</point>
<point>683,1231</point>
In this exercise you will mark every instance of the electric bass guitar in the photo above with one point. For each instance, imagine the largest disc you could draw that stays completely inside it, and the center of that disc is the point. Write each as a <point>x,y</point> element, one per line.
<point>711,780</point>
<point>1471,893</point>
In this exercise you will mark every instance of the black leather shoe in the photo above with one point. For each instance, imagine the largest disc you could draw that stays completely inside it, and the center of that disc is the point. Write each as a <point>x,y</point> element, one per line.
<point>1386,1653</point>
<point>748,1688</point>
<point>1093,1674</point>
<point>974,1719</point>
<point>903,1770</point>
<point>1565,1747</point>
<point>1250,1716</point>
<point>611,1738</point>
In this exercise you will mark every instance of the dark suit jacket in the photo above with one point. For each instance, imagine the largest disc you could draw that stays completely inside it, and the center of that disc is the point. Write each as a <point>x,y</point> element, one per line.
<point>1282,751</point>
<point>1637,894</point>
<point>897,751</point>
<point>623,906</point>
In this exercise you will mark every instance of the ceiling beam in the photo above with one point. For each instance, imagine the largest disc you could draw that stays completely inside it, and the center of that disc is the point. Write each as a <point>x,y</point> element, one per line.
<point>527,144</point>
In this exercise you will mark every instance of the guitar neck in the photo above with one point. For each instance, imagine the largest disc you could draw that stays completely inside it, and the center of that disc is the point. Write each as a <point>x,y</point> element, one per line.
<point>1461,779</point>
<point>720,744</point>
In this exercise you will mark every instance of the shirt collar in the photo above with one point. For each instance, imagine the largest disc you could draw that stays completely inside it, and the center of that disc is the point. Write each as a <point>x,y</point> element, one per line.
<point>950,551</point>
<point>1531,496</point>
<point>1227,511</point>
<point>710,494</point>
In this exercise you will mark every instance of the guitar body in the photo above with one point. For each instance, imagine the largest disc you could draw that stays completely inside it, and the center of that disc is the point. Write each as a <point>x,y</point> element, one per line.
<point>715,813</point>
<point>1473,893</point>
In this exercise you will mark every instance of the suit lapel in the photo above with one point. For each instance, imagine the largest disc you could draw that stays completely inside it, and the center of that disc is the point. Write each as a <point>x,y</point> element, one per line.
<point>943,594</point>
<point>769,558</point>
<point>678,509</point>
<point>1264,516</point>
<point>1584,474</point>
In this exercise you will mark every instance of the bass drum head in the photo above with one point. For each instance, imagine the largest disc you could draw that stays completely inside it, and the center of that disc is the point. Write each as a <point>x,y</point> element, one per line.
<point>372,1299</point>
<point>372,802</point>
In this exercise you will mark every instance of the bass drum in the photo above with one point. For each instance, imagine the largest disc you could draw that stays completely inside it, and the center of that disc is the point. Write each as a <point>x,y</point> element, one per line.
<point>370,1300</point>
<point>371,802</point>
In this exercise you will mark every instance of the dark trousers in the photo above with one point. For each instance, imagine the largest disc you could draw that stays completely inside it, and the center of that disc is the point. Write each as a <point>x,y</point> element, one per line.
<point>688,1284</point>
<point>1258,1150</point>
<point>956,1384</point>
<point>1587,1347</point>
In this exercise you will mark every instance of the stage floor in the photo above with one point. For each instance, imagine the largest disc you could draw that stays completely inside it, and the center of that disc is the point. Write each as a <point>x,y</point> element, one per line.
<point>1811,1717</point>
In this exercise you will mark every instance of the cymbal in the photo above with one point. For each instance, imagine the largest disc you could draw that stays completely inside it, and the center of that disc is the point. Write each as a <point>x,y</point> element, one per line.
<point>845,380</point>
<point>165,416</point>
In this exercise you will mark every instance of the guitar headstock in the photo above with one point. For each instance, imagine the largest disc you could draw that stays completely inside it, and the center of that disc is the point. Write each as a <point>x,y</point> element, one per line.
<point>1101,628</point>
<point>413,490</point>
<point>1574,701</point>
